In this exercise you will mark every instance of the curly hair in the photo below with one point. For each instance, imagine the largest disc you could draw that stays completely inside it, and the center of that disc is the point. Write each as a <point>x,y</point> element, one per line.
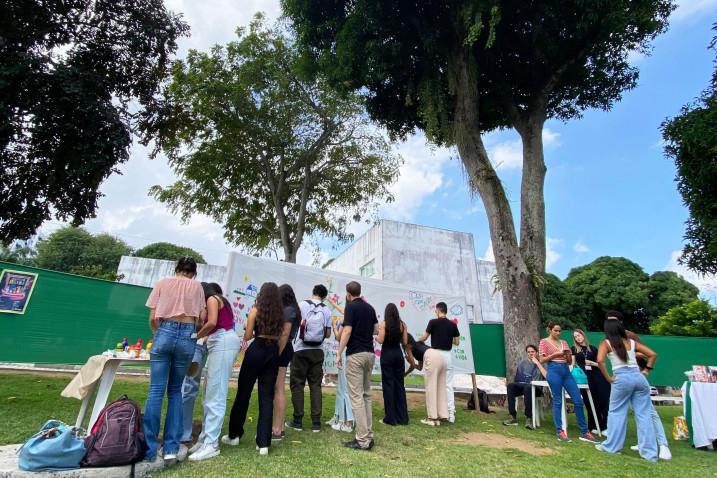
<point>269,311</point>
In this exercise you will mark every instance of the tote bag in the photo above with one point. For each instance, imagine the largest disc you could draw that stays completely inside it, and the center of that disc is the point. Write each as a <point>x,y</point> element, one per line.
<point>55,447</point>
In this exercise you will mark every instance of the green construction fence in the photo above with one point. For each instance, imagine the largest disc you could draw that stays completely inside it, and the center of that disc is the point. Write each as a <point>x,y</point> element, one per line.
<point>71,317</point>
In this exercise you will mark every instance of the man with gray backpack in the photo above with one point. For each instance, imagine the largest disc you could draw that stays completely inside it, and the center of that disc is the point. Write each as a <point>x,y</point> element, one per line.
<point>308,362</point>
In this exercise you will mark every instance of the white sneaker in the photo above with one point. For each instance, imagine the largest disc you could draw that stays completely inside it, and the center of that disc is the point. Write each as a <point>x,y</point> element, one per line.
<point>334,420</point>
<point>182,453</point>
<point>346,428</point>
<point>230,441</point>
<point>635,448</point>
<point>195,448</point>
<point>664,453</point>
<point>170,456</point>
<point>205,452</point>
<point>337,426</point>
<point>263,450</point>
<point>452,419</point>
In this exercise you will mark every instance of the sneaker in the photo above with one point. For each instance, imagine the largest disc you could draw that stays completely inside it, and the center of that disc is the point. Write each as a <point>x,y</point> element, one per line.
<point>204,453</point>
<point>334,421</point>
<point>430,423</point>
<point>598,447</point>
<point>635,448</point>
<point>277,436</point>
<point>588,437</point>
<point>182,453</point>
<point>346,428</point>
<point>529,424</point>
<point>294,425</point>
<point>170,456</point>
<point>563,437</point>
<point>337,426</point>
<point>316,427</point>
<point>664,453</point>
<point>451,419</point>
<point>230,441</point>
<point>510,422</point>
<point>195,448</point>
<point>263,450</point>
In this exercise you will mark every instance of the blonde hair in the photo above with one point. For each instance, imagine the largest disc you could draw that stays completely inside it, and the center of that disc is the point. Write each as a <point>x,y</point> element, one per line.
<point>577,345</point>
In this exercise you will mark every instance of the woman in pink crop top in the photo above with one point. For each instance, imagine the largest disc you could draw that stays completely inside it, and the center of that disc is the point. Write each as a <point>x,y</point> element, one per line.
<point>176,305</point>
<point>223,345</point>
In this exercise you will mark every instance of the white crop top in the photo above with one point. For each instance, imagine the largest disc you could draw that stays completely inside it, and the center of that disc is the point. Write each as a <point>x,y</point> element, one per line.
<point>617,362</point>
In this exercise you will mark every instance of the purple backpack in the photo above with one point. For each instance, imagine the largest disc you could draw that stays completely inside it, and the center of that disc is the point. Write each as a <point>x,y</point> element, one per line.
<point>116,438</point>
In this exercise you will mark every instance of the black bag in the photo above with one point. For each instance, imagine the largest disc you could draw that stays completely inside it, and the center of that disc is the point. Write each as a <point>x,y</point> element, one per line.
<point>482,402</point>
<point>116,438</point>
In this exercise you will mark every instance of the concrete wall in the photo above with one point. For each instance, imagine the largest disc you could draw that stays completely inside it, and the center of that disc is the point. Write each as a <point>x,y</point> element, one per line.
<point>146,272</point>
<point>365,249</point>
<point>430,258</point>
<point>491,303</point>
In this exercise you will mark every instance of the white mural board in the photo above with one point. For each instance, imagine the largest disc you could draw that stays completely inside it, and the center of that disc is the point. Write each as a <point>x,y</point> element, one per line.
<point>246,274</point>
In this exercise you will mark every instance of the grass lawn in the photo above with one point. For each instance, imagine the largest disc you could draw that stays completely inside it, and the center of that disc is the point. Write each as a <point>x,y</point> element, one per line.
<point>476,445</point>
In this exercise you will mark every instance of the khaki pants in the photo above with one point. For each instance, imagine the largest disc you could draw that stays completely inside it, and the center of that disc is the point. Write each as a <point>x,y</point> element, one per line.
<point>358,376</point>
<point>434,368</point>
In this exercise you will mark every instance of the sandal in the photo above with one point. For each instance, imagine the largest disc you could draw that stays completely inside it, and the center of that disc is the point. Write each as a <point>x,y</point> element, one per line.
<point>430,422</point>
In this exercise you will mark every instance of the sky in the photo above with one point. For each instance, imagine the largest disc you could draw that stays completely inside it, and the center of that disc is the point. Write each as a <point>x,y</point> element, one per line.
<point>609,190</point>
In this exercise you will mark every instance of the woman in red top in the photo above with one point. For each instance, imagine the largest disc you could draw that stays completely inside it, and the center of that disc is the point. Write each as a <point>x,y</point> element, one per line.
<point>556,352</point>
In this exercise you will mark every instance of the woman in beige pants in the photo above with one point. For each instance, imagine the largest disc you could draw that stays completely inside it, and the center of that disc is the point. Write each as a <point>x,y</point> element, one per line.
<point>434,367</point>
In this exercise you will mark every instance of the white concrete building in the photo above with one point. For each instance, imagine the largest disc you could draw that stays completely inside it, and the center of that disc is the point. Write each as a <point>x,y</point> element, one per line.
<point>146,272</point>
<point>425,258</point>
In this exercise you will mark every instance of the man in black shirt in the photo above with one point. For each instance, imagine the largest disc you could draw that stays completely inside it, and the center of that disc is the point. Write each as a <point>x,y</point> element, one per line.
<point>444,335</point>
<point>359,327</point>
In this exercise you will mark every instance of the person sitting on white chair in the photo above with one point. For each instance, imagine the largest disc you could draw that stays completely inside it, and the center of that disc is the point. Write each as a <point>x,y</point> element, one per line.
<point>528,370</point>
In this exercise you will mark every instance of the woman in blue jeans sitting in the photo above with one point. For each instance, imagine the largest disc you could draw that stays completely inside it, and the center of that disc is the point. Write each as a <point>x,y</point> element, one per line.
<point>176,307</point>
<point>629,388</point>
<point>557,354</point>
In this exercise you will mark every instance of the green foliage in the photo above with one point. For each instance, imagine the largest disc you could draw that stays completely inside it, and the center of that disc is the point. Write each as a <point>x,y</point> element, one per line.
<point>691,141</point>
<point>697,319</point>
<point>271,156</point>
<point>558,304</point>
<point>74,250</point>
<point>666,290</point>
<point>609,283</point>
<point>73,75</point>
<point>558,56</point>
<point>19,252</point>
<point>168,252</point>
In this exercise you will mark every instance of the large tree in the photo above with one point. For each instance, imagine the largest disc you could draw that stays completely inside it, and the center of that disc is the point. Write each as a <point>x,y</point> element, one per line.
<point>668,289</point>
<point>697,319</point>
<point>73,75</point>
<point>691,141</point>
<point>457,69</point>
<point>74,250</point>
<point>559,304</point>
<point>168,252</point>
<point>272,157</point>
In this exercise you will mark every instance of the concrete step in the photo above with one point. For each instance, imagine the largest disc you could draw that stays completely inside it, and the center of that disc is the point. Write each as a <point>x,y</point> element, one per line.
<point>9,469</point>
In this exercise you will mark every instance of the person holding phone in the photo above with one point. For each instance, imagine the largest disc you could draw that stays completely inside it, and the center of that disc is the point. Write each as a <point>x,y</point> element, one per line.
<point>556,353</point>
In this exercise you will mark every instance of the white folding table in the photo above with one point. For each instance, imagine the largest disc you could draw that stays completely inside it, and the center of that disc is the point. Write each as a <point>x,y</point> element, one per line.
<point>564,414</point>
<point>103,390</point>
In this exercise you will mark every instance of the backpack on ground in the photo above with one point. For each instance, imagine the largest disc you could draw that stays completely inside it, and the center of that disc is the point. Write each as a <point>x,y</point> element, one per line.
<point>482,402</point>
<point>311,330</point>
<point>116,438</point>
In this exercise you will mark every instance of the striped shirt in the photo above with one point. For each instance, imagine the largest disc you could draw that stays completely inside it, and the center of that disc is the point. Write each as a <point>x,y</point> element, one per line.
<point>547,348</point>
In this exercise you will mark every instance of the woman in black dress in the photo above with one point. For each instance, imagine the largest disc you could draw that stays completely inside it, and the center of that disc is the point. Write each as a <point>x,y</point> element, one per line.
<point>585,356</point>
<point>392,334</point>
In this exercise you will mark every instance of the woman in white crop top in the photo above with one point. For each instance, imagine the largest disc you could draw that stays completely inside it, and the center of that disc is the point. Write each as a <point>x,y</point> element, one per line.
<point>629,388</point>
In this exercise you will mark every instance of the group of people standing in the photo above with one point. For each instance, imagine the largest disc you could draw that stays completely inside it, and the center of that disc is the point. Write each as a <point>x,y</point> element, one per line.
<point>631,362</point>
<point>193,325</point>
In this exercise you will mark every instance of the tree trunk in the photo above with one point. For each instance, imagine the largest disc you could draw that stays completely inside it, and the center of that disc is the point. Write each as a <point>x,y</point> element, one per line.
<point>521,311</point>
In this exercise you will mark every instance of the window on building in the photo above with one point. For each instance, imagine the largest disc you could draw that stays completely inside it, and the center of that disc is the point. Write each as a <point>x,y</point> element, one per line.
<point>368,269</point>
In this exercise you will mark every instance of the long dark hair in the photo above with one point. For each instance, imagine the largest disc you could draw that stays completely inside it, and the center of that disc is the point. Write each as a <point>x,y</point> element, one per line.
<point>615,333</point>
<point>269,311</point>
<point>393,323</point>
<point>288,299</point>
<point>212,289</point>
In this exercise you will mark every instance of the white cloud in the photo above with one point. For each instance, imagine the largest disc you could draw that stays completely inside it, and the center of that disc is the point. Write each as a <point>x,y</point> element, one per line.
<point>507,155</point>
<point>688,9</point>
<point>550,138</point>
<point>489,255</point>
<point>580,247</point>
<point>551,254</point>
<point>706,283</point>
<point>420,176</point>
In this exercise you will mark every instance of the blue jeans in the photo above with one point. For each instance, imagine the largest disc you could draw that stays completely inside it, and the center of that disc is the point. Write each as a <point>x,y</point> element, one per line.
<point>223,348</point>
<point>169,360</point>
<point>190,390</point>
<point>559,377</point>
<point>630,388</point>
<point>342,409</point>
